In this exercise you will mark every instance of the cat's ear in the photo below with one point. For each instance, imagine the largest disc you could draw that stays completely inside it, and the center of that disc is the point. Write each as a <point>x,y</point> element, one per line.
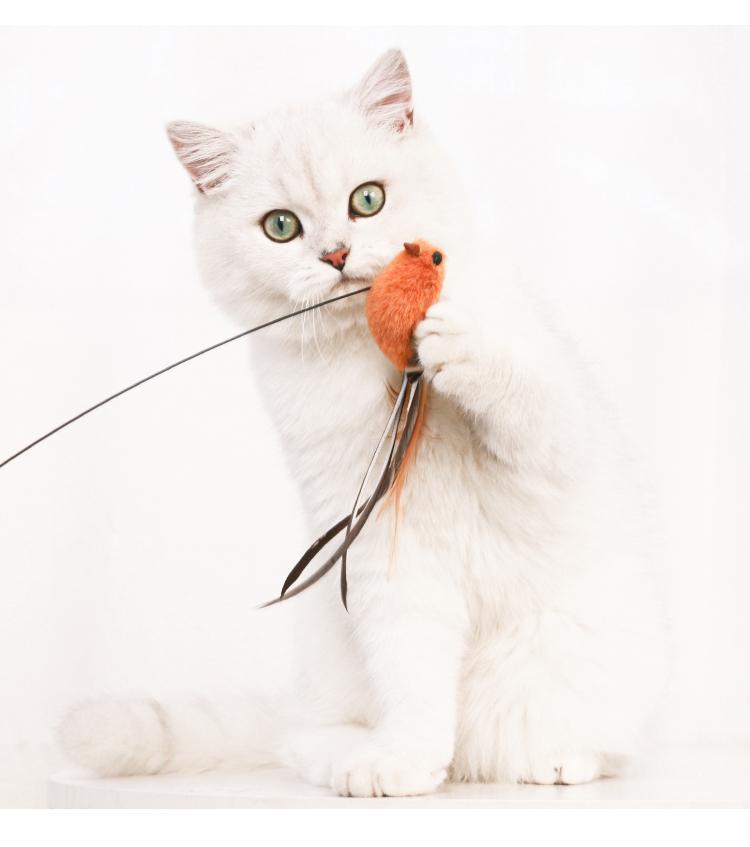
<point>205,152</point>
<point>384,94</point>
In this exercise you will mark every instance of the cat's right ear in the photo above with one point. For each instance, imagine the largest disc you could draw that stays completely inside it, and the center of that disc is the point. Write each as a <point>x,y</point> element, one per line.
<point>205,152</point>
<point>384,95</point>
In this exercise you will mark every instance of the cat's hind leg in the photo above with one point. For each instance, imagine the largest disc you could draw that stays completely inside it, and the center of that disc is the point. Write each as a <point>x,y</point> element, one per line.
<point>552,702</point>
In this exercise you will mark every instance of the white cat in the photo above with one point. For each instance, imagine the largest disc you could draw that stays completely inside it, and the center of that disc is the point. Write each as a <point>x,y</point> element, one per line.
<point>512,631</point>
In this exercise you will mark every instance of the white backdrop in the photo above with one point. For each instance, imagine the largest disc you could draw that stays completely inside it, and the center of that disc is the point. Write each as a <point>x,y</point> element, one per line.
<point>611,169</point>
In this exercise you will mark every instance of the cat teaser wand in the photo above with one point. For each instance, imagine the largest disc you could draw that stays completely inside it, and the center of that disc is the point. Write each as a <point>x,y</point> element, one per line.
<point>399,298</point>
<point>175,365</point>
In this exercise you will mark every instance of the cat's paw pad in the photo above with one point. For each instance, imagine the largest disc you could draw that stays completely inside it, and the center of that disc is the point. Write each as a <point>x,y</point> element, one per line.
<point>370,775</point>
<point>442,338</point>
<point>570,769</point>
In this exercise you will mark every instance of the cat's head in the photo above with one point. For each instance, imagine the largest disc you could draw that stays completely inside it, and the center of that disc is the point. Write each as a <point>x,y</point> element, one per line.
<point>315,200</point>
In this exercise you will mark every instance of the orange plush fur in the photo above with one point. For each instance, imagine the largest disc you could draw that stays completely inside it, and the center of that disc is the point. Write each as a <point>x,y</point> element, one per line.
<point>398,300</point>
<point>400,297</point>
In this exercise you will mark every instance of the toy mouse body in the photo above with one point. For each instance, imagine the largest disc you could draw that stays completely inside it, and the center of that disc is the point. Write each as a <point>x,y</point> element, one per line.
<point>400,297</point>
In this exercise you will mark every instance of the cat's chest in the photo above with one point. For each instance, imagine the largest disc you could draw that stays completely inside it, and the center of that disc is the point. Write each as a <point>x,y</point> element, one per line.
<point>330,412</point>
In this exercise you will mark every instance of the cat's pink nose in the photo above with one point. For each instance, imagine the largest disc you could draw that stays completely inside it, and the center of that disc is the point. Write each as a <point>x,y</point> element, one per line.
<point>337,258</point>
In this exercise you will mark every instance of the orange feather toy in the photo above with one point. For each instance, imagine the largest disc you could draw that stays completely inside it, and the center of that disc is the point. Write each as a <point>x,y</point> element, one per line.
<point>398,300</point>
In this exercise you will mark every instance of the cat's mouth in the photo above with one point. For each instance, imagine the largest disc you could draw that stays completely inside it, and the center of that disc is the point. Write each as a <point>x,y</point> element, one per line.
<point>353,280</point>
<point>350,283</point>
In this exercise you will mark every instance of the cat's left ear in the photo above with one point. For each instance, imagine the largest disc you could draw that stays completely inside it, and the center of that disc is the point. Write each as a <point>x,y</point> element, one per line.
<point>205,152</point>
<point>384,94</point>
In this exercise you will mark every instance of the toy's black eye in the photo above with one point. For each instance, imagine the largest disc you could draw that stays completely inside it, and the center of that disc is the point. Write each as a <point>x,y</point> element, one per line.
<point>437,258</point>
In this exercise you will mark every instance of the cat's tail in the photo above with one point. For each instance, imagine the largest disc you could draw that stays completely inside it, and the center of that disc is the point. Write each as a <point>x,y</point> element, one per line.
<point>128,737</point>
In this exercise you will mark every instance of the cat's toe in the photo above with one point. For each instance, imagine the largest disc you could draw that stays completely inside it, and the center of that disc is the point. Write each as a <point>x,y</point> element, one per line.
<point>442,318</point>
<point>410,782</point>
<point>570,769</point>
<point>384,777</point>
<point>356,780</point>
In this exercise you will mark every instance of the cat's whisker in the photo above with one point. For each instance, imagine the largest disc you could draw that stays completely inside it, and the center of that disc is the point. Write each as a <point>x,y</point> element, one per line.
<point>315,335</point>
<point>305,304</point>
<point>319,320</point>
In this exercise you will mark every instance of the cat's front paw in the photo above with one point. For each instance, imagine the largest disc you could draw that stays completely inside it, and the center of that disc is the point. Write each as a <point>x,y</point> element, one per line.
<point>356,763</point>
<point>448,349</point>
<point>443,338</point>
<point>368,772</point>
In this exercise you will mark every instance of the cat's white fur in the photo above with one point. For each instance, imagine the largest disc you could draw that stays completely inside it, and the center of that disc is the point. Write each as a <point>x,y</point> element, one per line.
<point>512,631</point>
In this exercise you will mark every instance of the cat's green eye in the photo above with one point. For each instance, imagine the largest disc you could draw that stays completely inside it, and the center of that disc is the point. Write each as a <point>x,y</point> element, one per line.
<point>367,200</point>
<point>281,225</point>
